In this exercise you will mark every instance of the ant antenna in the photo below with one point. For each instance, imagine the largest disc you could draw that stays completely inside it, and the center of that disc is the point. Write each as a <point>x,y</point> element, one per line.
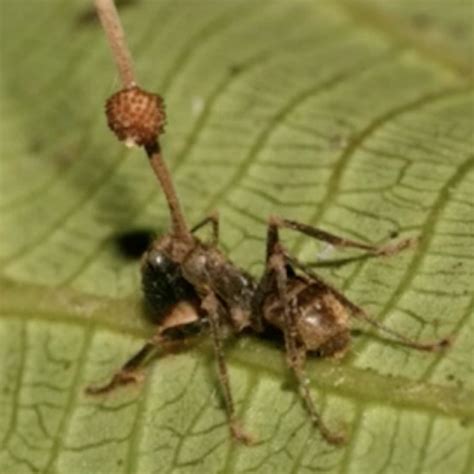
<point>137,117</point>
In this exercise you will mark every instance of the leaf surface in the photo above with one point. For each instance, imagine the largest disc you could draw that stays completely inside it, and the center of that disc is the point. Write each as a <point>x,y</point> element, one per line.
<point>355,116</point>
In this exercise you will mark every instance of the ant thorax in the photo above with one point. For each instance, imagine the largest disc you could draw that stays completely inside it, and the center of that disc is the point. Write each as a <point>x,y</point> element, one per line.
<point>174,272</point>
<point>207,267</point>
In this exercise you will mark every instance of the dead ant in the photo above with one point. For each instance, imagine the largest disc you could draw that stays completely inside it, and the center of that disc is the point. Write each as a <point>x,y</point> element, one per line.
<point>192,287</point>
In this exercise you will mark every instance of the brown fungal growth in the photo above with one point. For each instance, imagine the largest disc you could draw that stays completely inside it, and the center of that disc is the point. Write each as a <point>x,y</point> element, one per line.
<point>137,117</point>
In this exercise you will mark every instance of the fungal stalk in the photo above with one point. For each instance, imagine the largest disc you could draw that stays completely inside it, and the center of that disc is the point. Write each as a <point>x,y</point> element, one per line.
<point>137,117</point>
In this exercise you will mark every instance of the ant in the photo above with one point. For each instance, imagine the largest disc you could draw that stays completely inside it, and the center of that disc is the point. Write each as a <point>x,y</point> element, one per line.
<point>192,287</point>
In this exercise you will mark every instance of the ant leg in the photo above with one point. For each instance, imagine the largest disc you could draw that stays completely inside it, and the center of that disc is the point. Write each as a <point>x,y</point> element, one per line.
<point>129,373</point>
<point>212,219</point>
<point>262,290</point>
<point>361,314</point>
<point>296,357</point>
<point>318,234</point>
<point>211,306</point>
<point>266,282</point>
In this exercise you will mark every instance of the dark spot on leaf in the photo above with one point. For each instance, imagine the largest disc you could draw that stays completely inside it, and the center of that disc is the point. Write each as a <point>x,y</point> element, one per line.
<point>460,30</point>
<point>89,17</point>
<point>36,145</point>
<point>394,234</point>
<point>465,422</point>
<point>133,243</point>
<point>235,69</point>
<point>422,21</point>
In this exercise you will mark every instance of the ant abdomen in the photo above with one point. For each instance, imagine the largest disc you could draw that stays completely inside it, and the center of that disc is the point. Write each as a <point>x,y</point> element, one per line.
<point>321,320</point>
<point>163,285</point>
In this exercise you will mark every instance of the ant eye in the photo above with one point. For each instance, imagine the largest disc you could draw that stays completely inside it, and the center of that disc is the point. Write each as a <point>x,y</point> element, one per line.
<point>161,262</point>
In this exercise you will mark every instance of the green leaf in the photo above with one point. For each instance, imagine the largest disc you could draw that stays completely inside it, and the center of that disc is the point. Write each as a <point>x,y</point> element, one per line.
<point>355,116</point>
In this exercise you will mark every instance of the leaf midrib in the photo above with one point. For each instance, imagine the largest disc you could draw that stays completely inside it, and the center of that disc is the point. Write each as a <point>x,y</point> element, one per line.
<point>358,384</point>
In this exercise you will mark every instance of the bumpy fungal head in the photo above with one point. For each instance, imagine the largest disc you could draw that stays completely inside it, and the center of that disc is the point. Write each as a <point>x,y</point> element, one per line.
<point>137,117</point>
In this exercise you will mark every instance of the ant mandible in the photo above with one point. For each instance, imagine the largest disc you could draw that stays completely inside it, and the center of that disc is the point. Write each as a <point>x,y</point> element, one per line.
<point>191,286</point>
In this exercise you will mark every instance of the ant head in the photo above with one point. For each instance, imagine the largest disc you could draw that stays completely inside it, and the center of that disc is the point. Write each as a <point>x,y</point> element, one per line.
<point>163,284</point>
<point>160,262</point>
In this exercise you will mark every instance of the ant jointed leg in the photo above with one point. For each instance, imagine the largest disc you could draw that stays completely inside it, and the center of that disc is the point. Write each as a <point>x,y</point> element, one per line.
<point>389,249</point>
<point>212,219</point>
<point>295,351</point>
<point>131,371</point>
<point>306,298</point>
<point>212,308</point>
<point>361,314</point>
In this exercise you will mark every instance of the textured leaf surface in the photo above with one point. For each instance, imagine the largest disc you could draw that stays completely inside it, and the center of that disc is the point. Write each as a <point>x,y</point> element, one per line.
<point>353,115</point>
